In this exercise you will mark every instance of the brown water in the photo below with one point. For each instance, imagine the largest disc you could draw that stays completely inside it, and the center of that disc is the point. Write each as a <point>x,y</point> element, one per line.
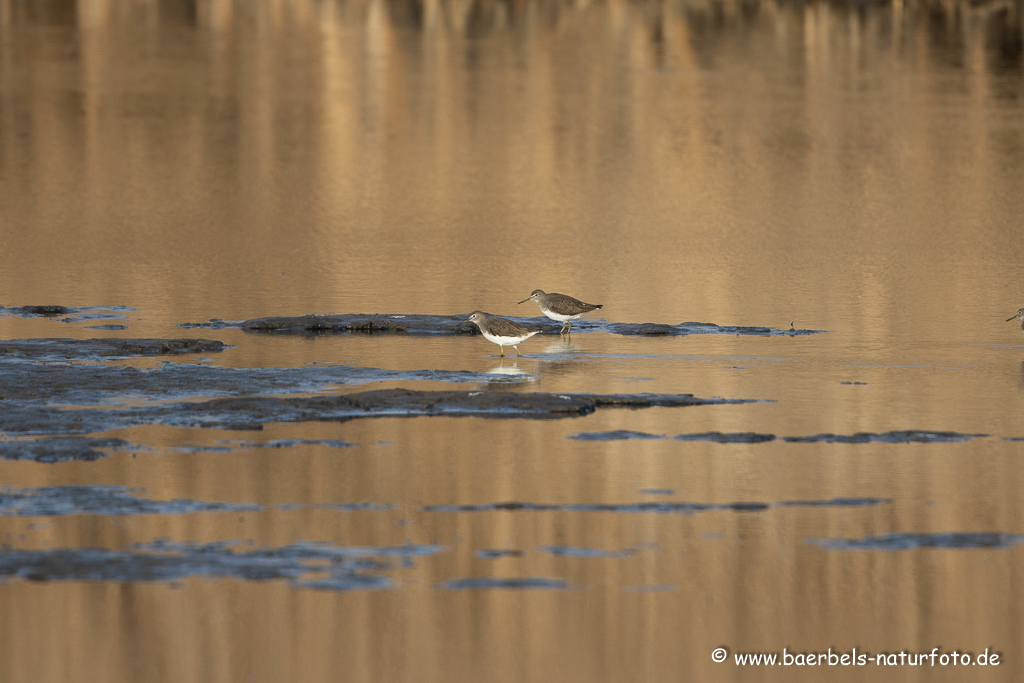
<point>850,168</point>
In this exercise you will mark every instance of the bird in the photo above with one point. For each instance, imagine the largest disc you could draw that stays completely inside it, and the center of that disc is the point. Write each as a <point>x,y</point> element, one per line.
<point>501,331</point>
<point>1018,314</point>
<point>560,307</point>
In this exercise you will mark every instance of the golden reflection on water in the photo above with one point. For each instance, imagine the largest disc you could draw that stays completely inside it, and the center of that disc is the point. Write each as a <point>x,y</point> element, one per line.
<point>854,168</point>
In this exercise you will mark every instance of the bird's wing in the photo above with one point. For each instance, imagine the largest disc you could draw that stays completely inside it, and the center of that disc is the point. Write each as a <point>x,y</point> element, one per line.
<point>507,328</point>
<point>570,305</point>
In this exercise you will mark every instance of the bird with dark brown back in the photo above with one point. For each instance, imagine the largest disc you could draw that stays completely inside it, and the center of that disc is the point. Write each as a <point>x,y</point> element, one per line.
<point>501,331</point>
<point>561,307</point>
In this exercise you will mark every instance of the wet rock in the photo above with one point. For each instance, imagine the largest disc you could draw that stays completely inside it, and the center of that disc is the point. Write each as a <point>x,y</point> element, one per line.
<point>214,324</point>
<point>572,551</point>
<point>42,310</point>
<point>835,502</point>
<point>408,403</point>
<point>719,437</point>
<point>716,437</point>
<point>60,449</point>
<point>367,324</point>
<point>488,554</point>
<point>661,508</point>
<point>661,329</point>
<point>644,329</point>
<point>77,314</point>
<point>615,435</point>
<point>83,349</point>
<point>457,324</point>
<point>897,436</point>
<point>905,541</point>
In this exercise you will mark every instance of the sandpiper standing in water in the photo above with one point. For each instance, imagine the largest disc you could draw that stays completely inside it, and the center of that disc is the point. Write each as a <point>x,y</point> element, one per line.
<point>501,331</point>
<point>1018,314</point>
<point>560,307</point>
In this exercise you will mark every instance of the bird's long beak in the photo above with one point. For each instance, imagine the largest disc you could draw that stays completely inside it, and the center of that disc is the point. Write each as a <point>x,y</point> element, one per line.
<point>1013,318</point>
<point>525,300</point>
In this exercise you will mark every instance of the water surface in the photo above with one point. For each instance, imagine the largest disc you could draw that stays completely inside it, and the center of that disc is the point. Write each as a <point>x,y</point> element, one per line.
<point>846,168</point>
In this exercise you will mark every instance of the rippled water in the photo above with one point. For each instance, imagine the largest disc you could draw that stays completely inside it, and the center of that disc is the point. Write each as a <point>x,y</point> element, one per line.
<point>853,169</point>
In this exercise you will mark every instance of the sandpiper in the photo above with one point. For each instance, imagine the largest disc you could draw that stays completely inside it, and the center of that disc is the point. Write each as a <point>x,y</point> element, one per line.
<point>1018,314</point>
<point>560,307</point>
<point>501,331</point>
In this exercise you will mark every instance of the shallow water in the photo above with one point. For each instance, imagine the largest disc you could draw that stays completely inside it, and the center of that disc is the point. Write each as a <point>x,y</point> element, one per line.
<point>849,169</point>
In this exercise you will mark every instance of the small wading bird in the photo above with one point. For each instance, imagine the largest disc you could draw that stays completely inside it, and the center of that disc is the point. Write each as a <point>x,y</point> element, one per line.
<point>501,331</point>
<point>560,307</point>
<point>1018,314</point>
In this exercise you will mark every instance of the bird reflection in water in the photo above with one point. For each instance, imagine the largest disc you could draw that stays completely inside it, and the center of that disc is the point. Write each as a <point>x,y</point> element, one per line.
<point>562,357</point>
<point>558,357</point>
<point>508,376</point>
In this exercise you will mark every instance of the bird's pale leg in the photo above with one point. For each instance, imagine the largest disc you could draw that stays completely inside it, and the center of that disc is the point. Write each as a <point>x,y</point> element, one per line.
<point>501,351</point>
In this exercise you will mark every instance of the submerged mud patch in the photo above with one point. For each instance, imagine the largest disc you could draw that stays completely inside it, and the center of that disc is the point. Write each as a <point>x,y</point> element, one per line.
<point>77,314</point>
<point>489,554</point>
<point>716,437</point>
<point>614,435</point>
<point>251,412</point>
<point>573,551</point>
<point>292,443</point>
<point>719,437</point>
<point>898,436</point>
<point>87,384</point>
<point>230,446</point>
<point>903,541</point>
<point>350,507</point>
<point>657,507</point>
<point>61,449</point>
<point>102,349</point>
<point>50,501</point>
<point>511,583</point>
<point>306,565</point>
<point>410,403</point>
<point>662,330</point>
<point>458,324</point>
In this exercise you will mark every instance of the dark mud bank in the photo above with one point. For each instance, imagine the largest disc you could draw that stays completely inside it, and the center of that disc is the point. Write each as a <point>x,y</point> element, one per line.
<point>90,383</point>
<point>88,349</point>
<point>458,324</point>
<point>251,412</point>
<point>71,314</point>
